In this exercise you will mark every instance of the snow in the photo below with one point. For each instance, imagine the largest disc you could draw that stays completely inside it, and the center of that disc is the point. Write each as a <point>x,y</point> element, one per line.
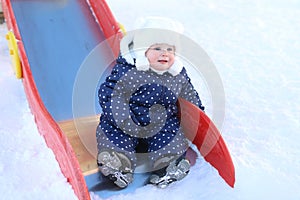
<point>255,47</point>
<point>28,169</point>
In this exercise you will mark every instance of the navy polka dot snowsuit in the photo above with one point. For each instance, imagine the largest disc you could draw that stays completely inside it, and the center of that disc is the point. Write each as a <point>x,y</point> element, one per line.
<point>142,106</point>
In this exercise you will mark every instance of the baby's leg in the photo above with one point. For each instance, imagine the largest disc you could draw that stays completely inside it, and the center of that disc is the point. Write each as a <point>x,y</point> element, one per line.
<point>166,147</point>
<point>168,156</point>
<point>116,157</point>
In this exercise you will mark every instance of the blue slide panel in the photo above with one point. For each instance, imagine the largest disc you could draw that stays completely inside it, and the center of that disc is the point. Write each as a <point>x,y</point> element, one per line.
<point>57,36</point>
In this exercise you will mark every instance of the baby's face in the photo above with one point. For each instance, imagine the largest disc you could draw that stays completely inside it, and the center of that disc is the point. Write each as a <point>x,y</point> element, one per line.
<point>161,56</point>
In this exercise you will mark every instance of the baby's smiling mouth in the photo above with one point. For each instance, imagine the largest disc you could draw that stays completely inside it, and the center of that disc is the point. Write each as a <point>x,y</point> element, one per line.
<point>162,61</point>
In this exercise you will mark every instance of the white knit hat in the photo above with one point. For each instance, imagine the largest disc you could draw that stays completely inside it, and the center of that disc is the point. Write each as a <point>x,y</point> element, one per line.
<point>149,31</point>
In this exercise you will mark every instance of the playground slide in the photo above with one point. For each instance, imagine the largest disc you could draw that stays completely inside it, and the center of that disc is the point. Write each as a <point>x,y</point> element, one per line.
<point>48,42</point>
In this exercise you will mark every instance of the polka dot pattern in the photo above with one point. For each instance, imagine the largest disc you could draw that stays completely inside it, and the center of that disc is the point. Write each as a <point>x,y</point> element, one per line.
<point>143,104</point>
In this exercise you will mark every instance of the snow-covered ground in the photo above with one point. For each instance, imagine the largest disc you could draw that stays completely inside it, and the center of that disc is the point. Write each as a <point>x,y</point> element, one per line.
<point>28,169</point>
<point>255,47</point>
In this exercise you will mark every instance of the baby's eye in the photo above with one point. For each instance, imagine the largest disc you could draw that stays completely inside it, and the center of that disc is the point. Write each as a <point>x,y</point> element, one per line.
<point>157,48</point>
<point>170,49</point>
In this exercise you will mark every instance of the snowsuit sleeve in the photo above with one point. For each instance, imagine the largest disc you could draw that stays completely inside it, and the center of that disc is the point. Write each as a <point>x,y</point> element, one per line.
<point>189,93</point>
<point>114,95</point>
<point>109,93</point>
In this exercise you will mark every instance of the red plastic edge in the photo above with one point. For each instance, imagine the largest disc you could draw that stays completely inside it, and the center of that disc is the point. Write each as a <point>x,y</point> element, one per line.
<point>204,134</point>
<point>108,24</point>
<point>48,128</point>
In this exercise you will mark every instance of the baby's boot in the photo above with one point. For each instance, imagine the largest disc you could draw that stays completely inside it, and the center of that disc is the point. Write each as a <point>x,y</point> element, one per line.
<point>175,171</point>
<point>116,166</point>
